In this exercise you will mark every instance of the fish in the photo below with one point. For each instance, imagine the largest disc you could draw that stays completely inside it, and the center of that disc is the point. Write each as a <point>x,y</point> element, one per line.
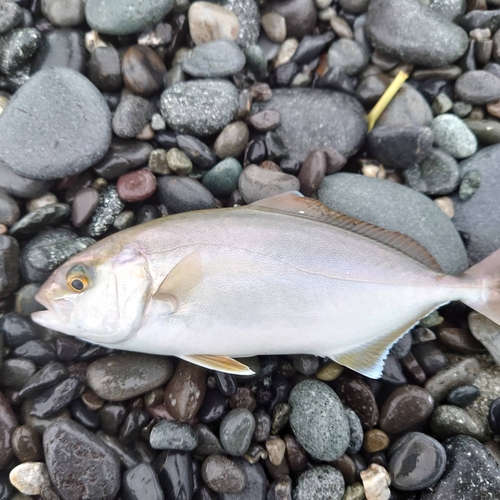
<point>285,275</point>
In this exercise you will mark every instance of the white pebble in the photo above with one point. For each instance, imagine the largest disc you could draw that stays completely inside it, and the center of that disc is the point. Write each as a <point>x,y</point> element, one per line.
<point>29,478</point>
<point>376,481</point>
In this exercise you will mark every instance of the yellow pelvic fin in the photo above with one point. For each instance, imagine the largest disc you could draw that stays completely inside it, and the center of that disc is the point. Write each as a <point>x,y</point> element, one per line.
<point>220,363</point>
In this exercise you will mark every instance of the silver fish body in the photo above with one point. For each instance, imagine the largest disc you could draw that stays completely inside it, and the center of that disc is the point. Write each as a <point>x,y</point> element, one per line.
<point>246,281</point>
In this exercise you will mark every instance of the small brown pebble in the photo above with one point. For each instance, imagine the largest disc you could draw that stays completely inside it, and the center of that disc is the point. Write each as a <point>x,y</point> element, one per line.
<point>143,71</point>
<point>146,134</point>
<point>334,160</point>
<point>296,456</point>
<point>100,184</point>
<point>3,229</point>
<point>277,470</point>
<point>261,92</point>
<point>84,205</point>
<point>270,165</point>
<point>136,186</point>
<point>243,398</point>
<point>445,203</point>
<point>493,108</point>
<point>460,340</point>
<point>312,172</point>
<point>265,120</point>
<point>375,440</point>
<point>280,417</point>
<point>347,468</point>
<point>413,369</point>
<point>92,400</point>
<point>27,444</point>
<point>276,448</point>
<point>154,397</point>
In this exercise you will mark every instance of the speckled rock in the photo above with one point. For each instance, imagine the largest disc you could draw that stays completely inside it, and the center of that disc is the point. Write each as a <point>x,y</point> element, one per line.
<point>318,420</point>
<point>170,435</point>
<point>320,483</point>
<point>247,12</point>
<point>453,136</point>
<point>199,107</point>
<point>222,179</point>
<point>236,431</point>
<point>78,136</point>
<point>30,478</point>
<point>397,208</point>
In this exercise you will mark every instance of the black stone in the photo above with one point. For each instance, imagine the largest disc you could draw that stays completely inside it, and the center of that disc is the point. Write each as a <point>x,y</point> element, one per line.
<point>276,150</point>
<point>284,74</point>
<point>494,416</point>
<point>256,152</point>
<point>312,46</point>
<point>56,398</point>
<point>336,79</point>
<point>38,351</point>
<point>431,88</point>
<point>463,395</point>
<point>214,406</point>
<point>132,426</point>
<point>393,372</point>
<point>83,414</point>
<point>48,376</point>
<point>226,383</point>
<point>141,483</point>
<point>183,194</point>
<point>104,69</point>
<point>147,213</point>
<point>481,19</point>
<point>165,139</point>
<point>111,417</point>
<point>174,470</point>
<point>69,348</point>
<point>290,166</point>
<point>430,358</point>
<point>17,330</point>
<point>197,151</point>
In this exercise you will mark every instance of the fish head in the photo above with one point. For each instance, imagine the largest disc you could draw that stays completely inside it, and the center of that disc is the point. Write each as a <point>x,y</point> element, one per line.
<point>98,295</point>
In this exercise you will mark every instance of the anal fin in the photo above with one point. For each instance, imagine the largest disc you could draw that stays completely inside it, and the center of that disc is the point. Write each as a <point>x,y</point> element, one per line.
<point>220,363</point>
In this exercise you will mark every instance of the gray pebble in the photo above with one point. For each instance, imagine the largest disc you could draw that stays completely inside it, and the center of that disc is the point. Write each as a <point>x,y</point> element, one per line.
<point>214,60</point>
<point>469,185</point>
<point>223,475</point>
<point>9,209</point>
<point>199,107</point>
<point>15,372</point>
<point>208,442</point>
<point>236,430</point>
<point>17,47</point>
<point>318,420</point>
<point>397,208</point>
<point>171,435</point>
<point>11,15</point>
<point>131,116</point>
<point>449,420</point>
<point>487,131</point>
<point>355,431</point>
<point>256,61</point>
<point>463,395</point>
<point>232,140</point>
<point>449,9</point>
<point>256,485</point>
<point>452,135</point>
<point>320,483</point>
<point>64,13</point>
<point>300,16</point>
<point>477,87</point>
<point>306,364</point>
<point>48,215</point>
<point>22,187</point>
<point>79,119</point>
<point>183,194</point>
<point>348,55</point>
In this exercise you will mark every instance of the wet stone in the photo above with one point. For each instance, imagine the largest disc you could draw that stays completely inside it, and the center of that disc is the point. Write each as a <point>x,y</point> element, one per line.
<point>26,444</point>
<point>9,209</point>
<point>45,216</point>
<point>400,147</point>
<point>175,473</point>
<point>232,141</point>
<point>405,407</point>
<point>183,194</point>
<point>123,155</point>
<point>111,417</point>
<point>197,151</point>
<point>460,340</point>
<point>199,107</point>
<point>448,420</point>
<point>124,376</point>
<point>21,187</point>
<point>236,431</point>
<point>444,381</point>
<point>173,436</point>
<point>83,415</point>
<point>131,116</point>
<point>223,475</point>
<point>214,406</point>
<point>463,395</point>
<point>79,463</point>
<point>263,121</point>
<point>38,351</point>
<point>318,483</point>
<point>208,442</point>
<point>49,375</point>
<point>51,401</point>
<point>256,484</point>
<point>140,482</point>
<point>471,472</point>
<point>8,423</point>
<point>158,163</point>
<point>40,424</point>
<point>143,70</point>
<point>478,87</point>
<point>30,478</point>
<point>107,210</point>
<point>104,69</point>
<point>416,461</point>
<point>132,426</point>
<point>9,265</point>
<point>305,364</point>
<point>471,181</point>
<point>83,132</point>
<point>215,59</point>
<point>17,47</point>
<point>15,372</point>
<point>185,391</point>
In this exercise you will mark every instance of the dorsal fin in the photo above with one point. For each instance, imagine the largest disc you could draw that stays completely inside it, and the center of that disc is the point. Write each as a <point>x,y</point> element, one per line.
<point>295,204</point>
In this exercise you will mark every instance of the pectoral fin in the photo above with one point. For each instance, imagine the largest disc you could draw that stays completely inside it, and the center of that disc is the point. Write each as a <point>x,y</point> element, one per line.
<point>180,283</point>
<point>220,363</point>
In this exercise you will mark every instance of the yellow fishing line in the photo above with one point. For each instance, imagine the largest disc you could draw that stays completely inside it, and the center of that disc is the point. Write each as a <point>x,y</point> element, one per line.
<point>385,99</point>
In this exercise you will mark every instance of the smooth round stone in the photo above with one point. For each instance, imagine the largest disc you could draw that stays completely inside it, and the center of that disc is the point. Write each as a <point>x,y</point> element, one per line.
<point>470,215</point>
<point>111,416</point>
<point>78,115</point>
<point>222,179</point>
<point>375,440</point>
<point>48,376</point>
<point>256,183</point>
<point>131,116</point>
<point>136,186</point>
<point>397,208</point>
<point>175,473</point>
<point>453,136</point>
<point>17,47</point>
<point>54,399</point>
<point>199,107</point>
<point>300,16</point>
<point>477,87</point>
<point>140,482</point>
<point>401,146</point>
<point>209,22</point>
<point>179,162</point>
<point>124,376</point>
<point>158,163</point>
<point>334,120</point>
<point>232,141</point>
<point>460,340</point>
<point>463,396</point>
<point>185,391</point>
<point>356,431</point>
<point>318,420</point>
<point>223,475</point>
<point>438,174</point>
<point>170,435</point>
<point>84,205</point>
<point>264,120</point>
<point>64,13</point>
<point>448,420</point>
<point>406,406</point>
<point>22,187</point>
<point>411,32</point>
<point>120,17</point>
<point>408,107</point>
<point>449,9</point>
<point>79,463</point>
<point>183,194</point>
<point>320,483</point>
<point>11,15</point>
<point>49,215</point>
<point>312,172</point>
<point>208,442</point>
<point>274,26</point>
<point>15,329</point>
<point>348,55</point>
<point>443,382</point>
<point>143,70</point>
<point>15,372</point>
<point>8,422</point>
<point>61,48</point>
<point>104,69</point>
<point>9,209</point>
<point>214,60</point>
<point>471,472</point>
<point>416,461</point>
<point>123,155</point>
<point>27,444</point>
<point>236,430</point>
<point>197,151</point>
<point>30,478</point>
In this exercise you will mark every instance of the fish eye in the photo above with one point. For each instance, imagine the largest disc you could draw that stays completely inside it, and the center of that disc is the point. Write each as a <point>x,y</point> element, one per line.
<point>77,280</point>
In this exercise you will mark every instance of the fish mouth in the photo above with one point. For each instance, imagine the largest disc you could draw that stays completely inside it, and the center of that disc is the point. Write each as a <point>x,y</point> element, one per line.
<point>56,314</point>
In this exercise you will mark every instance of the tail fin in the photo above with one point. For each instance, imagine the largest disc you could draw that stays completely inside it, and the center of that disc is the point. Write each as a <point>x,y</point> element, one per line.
<point>488,270</point>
